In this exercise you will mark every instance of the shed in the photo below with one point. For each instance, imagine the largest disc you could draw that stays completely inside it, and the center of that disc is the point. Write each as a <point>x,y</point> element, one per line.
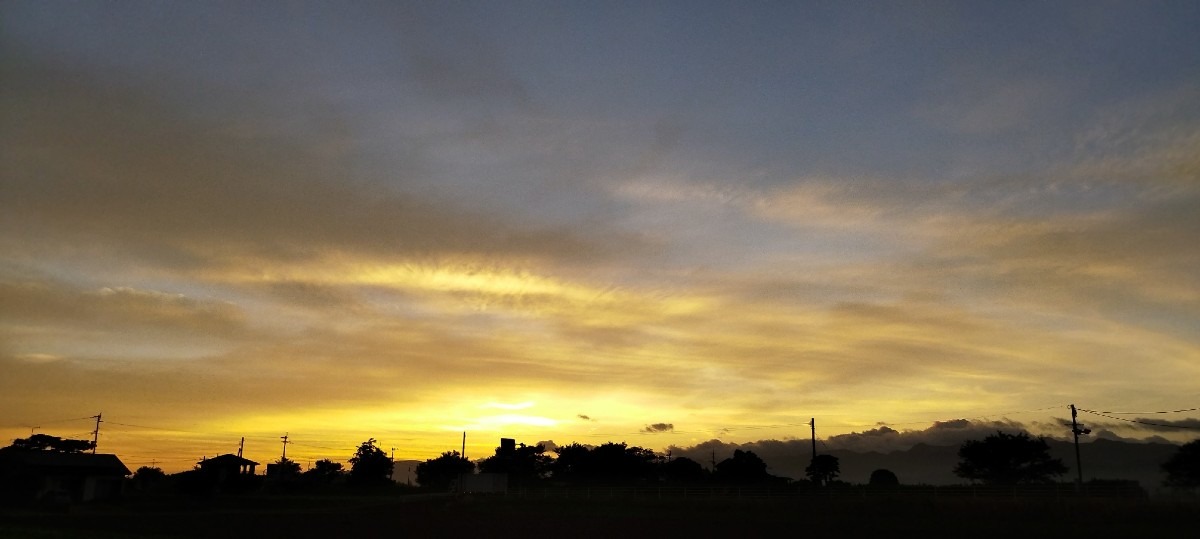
<point>56,476</point>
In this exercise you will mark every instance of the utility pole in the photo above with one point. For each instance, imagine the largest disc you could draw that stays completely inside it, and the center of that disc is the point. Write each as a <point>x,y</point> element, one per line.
<point>1077,430</point>
<point>463,453</point>
<point>285,442</point>
<point>96,434</point>
<point>242,445</point>
<point>813,423</point>
<point>392,470</point>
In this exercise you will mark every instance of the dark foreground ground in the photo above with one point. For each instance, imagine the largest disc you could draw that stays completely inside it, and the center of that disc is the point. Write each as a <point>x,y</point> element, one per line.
<point>533,518</point>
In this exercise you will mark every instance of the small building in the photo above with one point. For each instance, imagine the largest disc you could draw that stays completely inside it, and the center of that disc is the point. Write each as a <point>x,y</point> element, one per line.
<point>61,477</point>
<point>224,467</point>
<point>224,474</point>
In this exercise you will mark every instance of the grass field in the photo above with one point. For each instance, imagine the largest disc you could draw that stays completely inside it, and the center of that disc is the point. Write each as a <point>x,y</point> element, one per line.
<point>500,516</point>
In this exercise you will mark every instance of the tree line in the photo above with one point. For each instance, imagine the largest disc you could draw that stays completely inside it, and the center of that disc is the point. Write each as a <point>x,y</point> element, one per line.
<point>1000,459</point>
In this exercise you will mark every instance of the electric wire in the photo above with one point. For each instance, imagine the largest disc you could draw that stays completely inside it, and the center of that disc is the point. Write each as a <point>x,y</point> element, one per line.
<point>1144,413</point>
<point>1188,427</point>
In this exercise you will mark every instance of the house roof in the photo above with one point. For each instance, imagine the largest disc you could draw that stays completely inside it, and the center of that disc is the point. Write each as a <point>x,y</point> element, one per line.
<point>81,463</point>
<point>227,460</point>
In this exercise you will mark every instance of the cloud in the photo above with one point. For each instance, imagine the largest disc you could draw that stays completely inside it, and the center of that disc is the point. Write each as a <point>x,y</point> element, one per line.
<point>122,168</point>
<point>941,433</point>
<point>659,427</point>
<point>881,439</point>
<point>452,62</point>
<point>1168,425</point>
<point>976,103</point>
<point>584,417</point>
<point>44,316</point>
<point>509,406</point>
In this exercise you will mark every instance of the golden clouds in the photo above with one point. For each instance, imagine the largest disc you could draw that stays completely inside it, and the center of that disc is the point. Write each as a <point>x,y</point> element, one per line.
<point>218,261</point>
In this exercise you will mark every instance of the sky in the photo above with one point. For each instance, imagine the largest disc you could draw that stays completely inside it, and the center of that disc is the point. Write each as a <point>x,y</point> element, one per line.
<point>655,222</point>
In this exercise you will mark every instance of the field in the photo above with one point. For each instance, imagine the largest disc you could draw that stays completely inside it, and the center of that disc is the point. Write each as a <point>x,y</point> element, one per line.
<point>536,517</point>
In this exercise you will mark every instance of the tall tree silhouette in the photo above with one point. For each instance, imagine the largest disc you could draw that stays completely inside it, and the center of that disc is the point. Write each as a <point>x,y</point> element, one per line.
<point>572,463</point>
<point>324,471</point>
<point>1008,459</point>
<point>823,469</point>
<point>683,470</point>
<point>1183,468</point>
<point>742,468</point>
<point>524,464</point>
<point>286,468</point>
<point>370,465</point>
<point>439,473</point>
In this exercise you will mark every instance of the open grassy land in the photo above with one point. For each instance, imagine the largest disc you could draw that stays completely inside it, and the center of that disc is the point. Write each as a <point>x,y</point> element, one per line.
<point>498,516</point>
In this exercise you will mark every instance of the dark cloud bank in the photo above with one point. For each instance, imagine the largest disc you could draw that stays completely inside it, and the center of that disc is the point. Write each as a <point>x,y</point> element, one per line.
<point>928,456</point>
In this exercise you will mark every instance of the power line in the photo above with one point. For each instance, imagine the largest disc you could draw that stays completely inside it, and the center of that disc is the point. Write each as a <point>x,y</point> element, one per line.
<point>145,427</point>
<point>1144,413</point>
<point>66,420</point>
<point>1093,412</point>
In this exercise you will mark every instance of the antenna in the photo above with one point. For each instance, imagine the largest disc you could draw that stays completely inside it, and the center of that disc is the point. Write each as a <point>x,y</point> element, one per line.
<point>285,442</point>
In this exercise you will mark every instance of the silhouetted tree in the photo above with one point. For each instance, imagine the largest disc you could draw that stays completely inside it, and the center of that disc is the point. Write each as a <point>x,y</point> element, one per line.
<point>619,463</point>
<point>883,478</point>
<point>823,469</point>
<point>1008,459</point>
<point>1183,468</point>
<point>370,465</point>
<point>323,471</point>
<point>147,477</point>
<point>441,472</point>
<point>45,442</point>
<point>285,468</point>
<point>683,470</point>
<point>572,463</point>
<point>742,467</point>
<point>524,464</point>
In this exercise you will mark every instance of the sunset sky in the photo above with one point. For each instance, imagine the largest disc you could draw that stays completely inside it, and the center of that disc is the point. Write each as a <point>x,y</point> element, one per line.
<point>653,222</point>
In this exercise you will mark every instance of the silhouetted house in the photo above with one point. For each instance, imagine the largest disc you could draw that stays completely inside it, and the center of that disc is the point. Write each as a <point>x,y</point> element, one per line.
<point>223,474</point>
<point>63,477</point>
<point>222,468</point>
